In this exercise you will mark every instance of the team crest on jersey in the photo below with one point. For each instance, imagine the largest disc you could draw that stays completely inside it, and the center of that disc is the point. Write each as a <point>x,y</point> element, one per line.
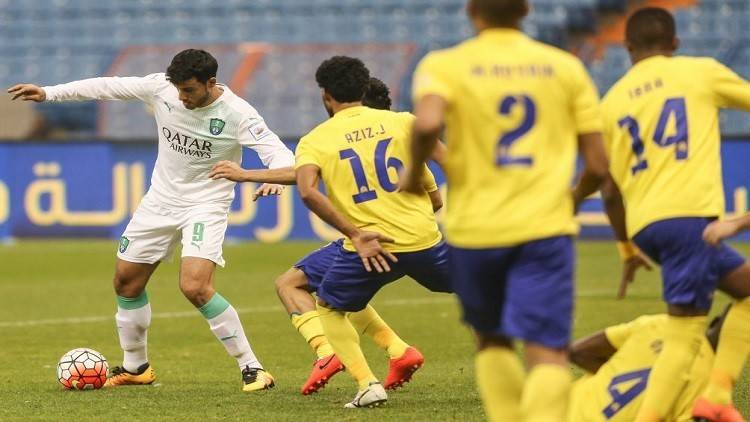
<point>124,243</point>
<point>216,126</point>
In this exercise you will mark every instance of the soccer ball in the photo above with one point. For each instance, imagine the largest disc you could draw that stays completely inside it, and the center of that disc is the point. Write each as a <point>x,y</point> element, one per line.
<point>82,369</point>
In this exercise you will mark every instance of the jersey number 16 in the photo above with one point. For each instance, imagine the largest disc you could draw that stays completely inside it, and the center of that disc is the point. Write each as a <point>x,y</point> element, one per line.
<point>382,164</point>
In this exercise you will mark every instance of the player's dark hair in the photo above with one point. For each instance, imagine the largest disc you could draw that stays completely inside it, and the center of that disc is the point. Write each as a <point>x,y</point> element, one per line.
<point>500,12</point>
<point>191,63</point>
<point>377,95</point>
<point>343,78</point>
<point>649,28</point>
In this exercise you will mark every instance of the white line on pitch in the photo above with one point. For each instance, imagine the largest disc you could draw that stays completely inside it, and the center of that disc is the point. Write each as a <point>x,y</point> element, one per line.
<point>443,299</point>
<point>194,313</point>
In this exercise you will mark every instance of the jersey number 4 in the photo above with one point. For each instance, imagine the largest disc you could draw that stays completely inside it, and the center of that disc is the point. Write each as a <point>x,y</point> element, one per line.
<point>382,164</point>
<point>673,107</point>
<point>637,380</point>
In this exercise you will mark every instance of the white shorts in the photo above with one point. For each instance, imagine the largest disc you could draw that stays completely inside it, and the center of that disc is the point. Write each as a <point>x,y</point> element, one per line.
<point>155,230</point>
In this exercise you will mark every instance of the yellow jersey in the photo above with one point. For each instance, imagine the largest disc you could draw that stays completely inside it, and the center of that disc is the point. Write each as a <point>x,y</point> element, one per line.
<point>360,152</point>
<point>615,392</point>
<point>661,128</point>
<point>515,108</point>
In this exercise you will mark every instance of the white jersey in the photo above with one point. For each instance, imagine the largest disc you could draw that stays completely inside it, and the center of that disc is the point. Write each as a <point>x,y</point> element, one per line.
<point>190,141</point>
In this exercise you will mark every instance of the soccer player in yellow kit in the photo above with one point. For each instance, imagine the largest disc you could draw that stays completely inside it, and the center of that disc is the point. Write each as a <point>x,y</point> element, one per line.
<point>515,112</point>
<point>618,361</point>
<point>661,126</point>
<point>358,154</point>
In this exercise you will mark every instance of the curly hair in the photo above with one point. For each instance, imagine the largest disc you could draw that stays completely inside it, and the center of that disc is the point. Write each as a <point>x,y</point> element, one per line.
<point>377,95</point>
<point>191,63</point>
<point>343,78</point>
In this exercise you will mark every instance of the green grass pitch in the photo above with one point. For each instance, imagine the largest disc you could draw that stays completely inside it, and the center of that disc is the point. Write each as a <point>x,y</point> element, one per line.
<point>43,283</point>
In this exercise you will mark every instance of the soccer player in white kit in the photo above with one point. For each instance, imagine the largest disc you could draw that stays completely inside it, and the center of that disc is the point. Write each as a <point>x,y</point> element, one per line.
<point>199,124</point>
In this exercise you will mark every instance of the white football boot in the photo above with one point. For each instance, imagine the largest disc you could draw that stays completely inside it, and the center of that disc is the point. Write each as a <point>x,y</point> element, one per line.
<point>372,396</point>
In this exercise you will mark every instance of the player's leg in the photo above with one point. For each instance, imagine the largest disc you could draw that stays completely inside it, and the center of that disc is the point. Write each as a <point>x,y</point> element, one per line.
<point>478,277</point>
<point>202,238</point>
<point>404,359</point>
<point>148,239</point>
<point>690,276</point>
<point>347,287</point>
<point>292,288</point>
<point>734,347</point>
<point>539,310</point>
<point>133,318</point>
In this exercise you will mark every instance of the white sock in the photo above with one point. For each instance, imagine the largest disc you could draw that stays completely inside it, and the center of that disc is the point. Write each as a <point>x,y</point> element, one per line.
<point>228,329</point>
<point>132,326</point>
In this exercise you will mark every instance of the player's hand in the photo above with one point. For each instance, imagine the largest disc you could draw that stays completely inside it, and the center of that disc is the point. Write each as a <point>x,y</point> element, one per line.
<point>372,252</point>
<point>268,189</point>
<point>28,92</point>
<point>717,231</point>
<point>227,170</point>
<point>629,267</point>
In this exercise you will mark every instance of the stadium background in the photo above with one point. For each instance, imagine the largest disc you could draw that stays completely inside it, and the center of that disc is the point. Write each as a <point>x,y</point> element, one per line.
<point>76,171</point>
<point>79,169</point>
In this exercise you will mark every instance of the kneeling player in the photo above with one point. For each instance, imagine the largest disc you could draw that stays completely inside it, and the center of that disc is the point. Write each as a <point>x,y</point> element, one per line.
<point>619,360</point>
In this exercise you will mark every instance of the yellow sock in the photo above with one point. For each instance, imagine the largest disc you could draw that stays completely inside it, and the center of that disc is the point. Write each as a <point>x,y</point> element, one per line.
<point>731,355</point>
<point>345,342</point>
<point>308,325</point>
<point>500,376</point>
<point>682,341</point>
<point>545,394</point>
<point>368,322</point>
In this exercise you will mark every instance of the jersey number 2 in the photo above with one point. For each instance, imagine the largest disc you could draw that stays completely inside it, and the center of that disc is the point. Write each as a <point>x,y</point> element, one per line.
<point>503,157</point>
<point>672,107</point>
<point>637,381</point>
<point>382,164</point>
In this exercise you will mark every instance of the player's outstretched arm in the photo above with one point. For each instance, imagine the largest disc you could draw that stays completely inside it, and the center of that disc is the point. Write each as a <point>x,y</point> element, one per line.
<point>105,88</point>
<point>723,229</point>
<point>591,352</point>
<point>232,171</point>
<point>366,243</point>
<point>430,115</point>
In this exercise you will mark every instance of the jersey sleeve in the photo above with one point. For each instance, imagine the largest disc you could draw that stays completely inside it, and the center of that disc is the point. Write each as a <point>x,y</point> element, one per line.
<point>306,154</point>
<point>586,108</point>
<point>431,77</point>
<point>107,88</point>
<point>428,180</point>
<point>255,134</point>
<point>618,334</point>
<point>730,90</point>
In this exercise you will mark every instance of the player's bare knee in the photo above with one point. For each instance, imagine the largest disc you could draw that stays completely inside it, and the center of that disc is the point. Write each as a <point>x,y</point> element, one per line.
<point>289,281</point>
<point>128,284</point>
<point>198,292</point>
